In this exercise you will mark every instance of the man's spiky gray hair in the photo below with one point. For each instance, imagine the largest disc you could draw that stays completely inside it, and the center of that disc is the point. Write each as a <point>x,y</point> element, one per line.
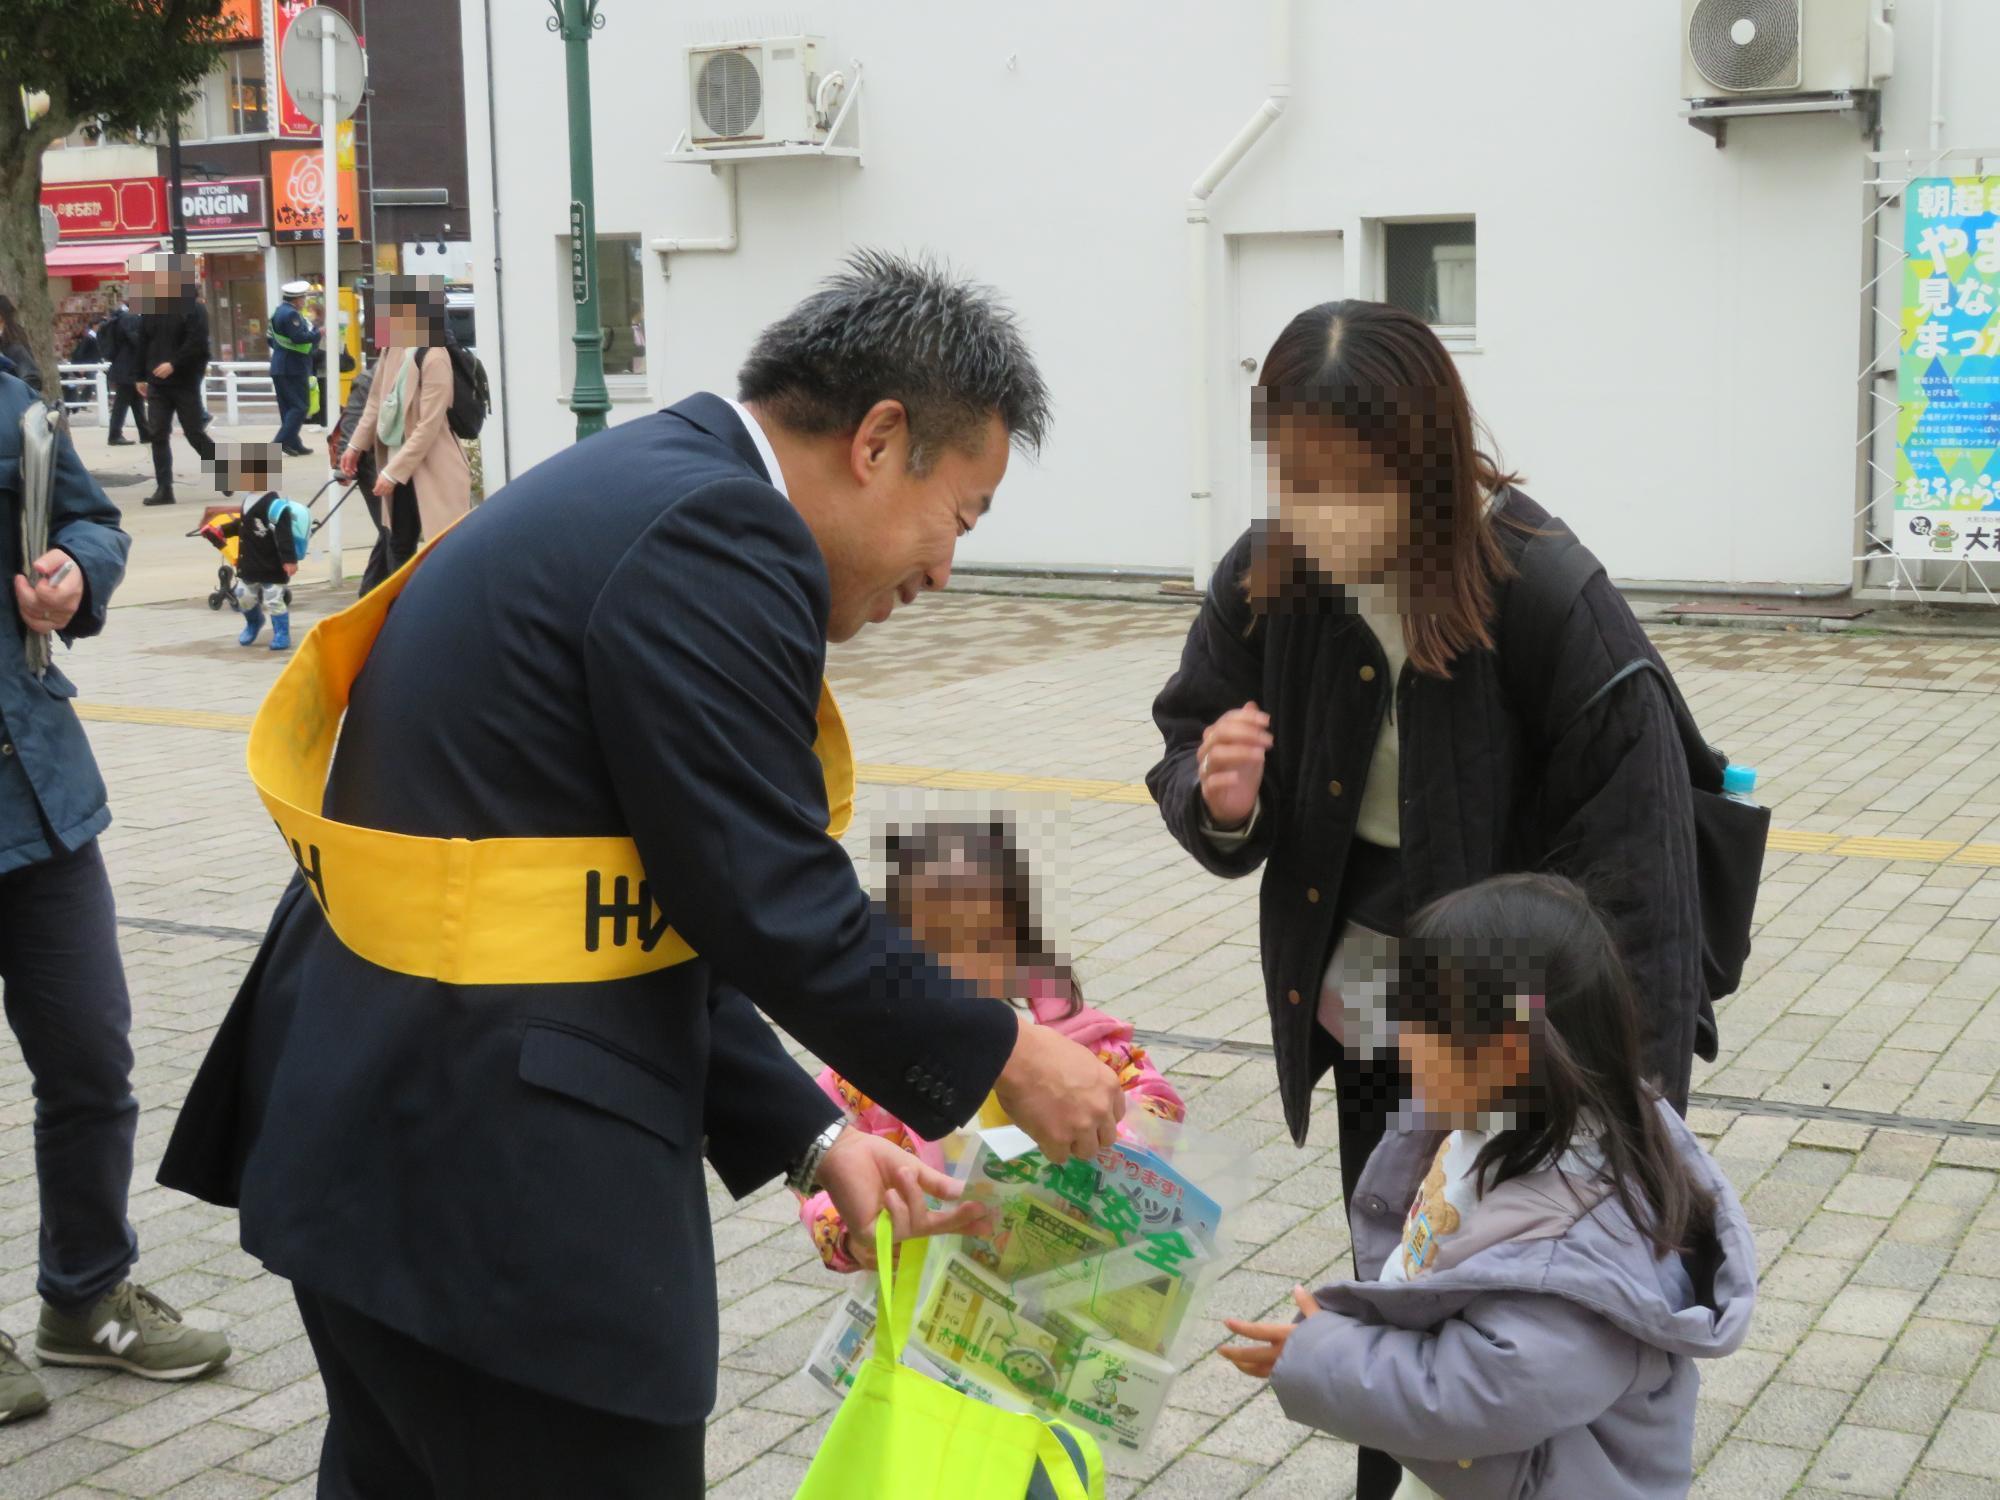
<point>892,328</point>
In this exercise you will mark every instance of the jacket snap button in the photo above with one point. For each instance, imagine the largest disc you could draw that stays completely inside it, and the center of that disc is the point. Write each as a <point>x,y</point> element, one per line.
<point>1312,894</point>
<point>1334,789</point>
<point>1367,674</point>
<point>1293,996</point>
<point>6,747</point>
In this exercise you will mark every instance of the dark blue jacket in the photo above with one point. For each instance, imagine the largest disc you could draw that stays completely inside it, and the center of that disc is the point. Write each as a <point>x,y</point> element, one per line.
<point>288,322</point>
<point>512,1174</point>
<point>51,797</point>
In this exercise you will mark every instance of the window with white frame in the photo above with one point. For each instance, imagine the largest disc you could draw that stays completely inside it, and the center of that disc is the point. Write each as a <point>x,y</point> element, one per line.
<point>231,100</point>
<point>621,312</point>
<point>1431,269</point>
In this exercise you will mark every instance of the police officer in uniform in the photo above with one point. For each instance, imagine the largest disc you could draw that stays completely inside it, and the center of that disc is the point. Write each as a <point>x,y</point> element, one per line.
<point>293,342</point>
<point>511,1000</point>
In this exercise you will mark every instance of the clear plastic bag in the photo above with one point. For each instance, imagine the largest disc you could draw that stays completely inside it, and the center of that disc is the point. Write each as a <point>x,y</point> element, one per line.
<point>1083,1298</point>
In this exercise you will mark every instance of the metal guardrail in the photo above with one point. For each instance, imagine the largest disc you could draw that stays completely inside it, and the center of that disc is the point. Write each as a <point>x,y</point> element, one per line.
<point>232,387</point>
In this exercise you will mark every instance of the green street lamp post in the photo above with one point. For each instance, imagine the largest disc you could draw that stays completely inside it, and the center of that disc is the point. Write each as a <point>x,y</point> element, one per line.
<point>574,21</point>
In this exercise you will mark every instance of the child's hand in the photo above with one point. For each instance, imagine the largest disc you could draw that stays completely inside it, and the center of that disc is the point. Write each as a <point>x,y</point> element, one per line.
<point>1259,1359</point>
<point>290,569</point>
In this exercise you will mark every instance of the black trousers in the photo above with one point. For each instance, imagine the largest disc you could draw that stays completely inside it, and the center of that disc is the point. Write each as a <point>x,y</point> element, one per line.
<point>67,1002</point>
<point>1366,1093</point>
<point>395,542</point>
<point>163,404</point>
<point>125,397</point>
<point>409,1423</point>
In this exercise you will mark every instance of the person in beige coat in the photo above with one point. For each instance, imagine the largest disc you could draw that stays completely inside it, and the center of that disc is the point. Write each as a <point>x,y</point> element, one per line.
<point>417,457</point>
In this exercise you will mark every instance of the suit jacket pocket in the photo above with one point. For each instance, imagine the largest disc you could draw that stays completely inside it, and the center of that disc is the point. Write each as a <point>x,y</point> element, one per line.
<point>593,1073</point>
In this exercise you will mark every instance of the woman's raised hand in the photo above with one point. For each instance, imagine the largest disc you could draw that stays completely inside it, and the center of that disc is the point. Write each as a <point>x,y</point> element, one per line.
<point>1230,764</point>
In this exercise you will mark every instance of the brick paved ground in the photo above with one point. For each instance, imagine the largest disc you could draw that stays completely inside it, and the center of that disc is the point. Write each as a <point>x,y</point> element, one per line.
<point>1855,1105</point>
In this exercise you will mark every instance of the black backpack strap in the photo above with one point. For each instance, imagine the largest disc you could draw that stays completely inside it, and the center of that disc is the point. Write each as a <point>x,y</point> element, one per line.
<point>1551,573</point>
<point>1554,569</point>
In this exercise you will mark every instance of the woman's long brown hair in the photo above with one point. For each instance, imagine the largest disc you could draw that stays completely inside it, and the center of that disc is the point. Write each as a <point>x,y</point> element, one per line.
<point>1381,373</point>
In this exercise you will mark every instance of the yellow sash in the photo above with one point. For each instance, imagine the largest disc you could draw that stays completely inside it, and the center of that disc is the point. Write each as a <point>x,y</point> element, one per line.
<point>464,911</point>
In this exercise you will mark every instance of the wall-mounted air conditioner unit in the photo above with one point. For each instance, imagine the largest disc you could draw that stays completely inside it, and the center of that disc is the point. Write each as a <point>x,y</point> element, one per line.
<point>762,93</point>
<point>1764,49</point>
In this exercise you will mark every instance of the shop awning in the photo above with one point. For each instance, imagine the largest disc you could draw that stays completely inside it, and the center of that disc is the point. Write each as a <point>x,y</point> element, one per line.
<point>245,242</point>
<point>97,258</point>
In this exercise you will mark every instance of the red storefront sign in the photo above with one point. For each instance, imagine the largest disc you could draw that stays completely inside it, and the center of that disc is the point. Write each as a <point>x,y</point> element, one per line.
<point>232,204</point>
<point>290,122</point>
<point>123,209</point>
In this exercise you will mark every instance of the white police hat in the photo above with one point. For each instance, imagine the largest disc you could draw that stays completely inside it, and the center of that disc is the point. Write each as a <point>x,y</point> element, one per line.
<point>296,288</point>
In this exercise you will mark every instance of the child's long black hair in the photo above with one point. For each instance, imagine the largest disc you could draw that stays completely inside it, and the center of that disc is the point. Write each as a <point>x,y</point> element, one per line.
<point>987,854</point>
<point>1469,960</point>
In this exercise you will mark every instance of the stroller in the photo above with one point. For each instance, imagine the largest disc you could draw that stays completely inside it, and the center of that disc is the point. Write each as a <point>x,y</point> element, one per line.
<point>219,526</point>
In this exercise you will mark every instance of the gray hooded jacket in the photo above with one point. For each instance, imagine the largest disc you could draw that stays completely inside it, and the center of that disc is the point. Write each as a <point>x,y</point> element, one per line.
<point>1559,1367</point>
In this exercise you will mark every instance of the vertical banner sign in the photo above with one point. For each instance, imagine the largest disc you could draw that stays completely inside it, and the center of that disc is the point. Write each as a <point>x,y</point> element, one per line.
<point>287,120</point>
<point>1948,378</point>
<point>579,254</point>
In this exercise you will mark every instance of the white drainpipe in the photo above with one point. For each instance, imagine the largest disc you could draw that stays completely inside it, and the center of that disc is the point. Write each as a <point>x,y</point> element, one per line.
<point>723,242</point>
<point>1937,76</point>
<point>1201,479</point>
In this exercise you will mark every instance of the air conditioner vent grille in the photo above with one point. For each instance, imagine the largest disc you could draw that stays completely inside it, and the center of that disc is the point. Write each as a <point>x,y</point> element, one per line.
<point>1741,45</point>
<point>729,95</point>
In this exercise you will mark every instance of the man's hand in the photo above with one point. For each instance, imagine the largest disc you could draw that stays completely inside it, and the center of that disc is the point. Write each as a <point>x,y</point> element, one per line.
<point>1258,1360</point>
<point>163,371</point>
<point>1230,764</point>
<point>1061,1094</point>
<point>47,608</point>
<point>864,1174</point>
<point>142,388</point>
<point>350,461</point>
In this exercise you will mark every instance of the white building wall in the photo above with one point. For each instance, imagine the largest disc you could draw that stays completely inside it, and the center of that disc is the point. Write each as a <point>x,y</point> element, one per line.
<point>1667,341</point>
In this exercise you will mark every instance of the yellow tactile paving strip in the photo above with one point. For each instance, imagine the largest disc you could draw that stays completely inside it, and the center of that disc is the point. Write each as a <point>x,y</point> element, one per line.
<point>1787,841</point>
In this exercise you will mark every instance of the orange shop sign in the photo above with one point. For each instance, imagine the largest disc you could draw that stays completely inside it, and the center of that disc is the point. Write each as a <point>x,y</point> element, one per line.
<point>243,20</point>
<point>298,196</point>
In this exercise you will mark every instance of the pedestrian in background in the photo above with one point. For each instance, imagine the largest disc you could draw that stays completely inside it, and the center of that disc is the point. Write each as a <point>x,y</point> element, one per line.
<point>14,346</point>
<point>421,467</point>
<point>396,529</point>
<point>64,982</point>
<point>293,342</point>
<point>121,343</point>
<point>175,359</point>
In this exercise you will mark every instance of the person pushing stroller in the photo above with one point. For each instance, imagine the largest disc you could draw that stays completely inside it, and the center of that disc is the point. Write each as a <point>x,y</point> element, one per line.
<point>271,535</point>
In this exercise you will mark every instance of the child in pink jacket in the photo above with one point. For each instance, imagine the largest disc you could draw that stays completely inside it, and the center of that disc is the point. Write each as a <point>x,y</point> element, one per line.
<point>964,892</point>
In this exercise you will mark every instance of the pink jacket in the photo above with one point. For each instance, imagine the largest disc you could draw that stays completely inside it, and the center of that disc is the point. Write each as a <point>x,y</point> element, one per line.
<point>1109,1038</point>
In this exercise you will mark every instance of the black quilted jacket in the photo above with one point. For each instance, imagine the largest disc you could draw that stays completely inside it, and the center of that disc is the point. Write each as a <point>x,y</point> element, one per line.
<point>1484,792</point>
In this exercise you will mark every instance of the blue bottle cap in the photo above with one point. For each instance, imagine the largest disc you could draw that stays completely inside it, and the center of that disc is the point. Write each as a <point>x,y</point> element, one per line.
<point>1738,781</point>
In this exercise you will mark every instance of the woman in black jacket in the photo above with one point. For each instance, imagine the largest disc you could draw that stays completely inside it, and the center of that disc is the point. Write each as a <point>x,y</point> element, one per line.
<point>1343,718</point>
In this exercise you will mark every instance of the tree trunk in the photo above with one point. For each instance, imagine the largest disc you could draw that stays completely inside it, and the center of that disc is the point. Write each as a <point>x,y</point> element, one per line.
<point>24,272</point>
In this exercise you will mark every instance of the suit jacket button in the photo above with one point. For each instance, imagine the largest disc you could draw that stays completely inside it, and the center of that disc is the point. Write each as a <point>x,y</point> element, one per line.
<point>1367,674</point>
<point>1293,996</point>
<point>950,1098</point>
<point>915,1075</point>
<point>1334,789</point>
<point>1312,894</point>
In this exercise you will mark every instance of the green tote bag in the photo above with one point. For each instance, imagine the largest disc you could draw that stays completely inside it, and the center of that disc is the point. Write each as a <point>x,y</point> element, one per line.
<point>900,1435</point>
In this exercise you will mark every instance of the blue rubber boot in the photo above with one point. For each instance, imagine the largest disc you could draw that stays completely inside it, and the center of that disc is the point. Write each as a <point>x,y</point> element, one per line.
<point>281,632</point>
<point>253,621</point>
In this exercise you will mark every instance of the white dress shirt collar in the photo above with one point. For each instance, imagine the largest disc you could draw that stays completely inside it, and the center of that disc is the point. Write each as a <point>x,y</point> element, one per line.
<point>764,450</point>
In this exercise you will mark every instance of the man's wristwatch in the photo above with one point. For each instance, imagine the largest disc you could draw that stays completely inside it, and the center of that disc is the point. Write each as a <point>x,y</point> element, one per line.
<point>804,1176</point>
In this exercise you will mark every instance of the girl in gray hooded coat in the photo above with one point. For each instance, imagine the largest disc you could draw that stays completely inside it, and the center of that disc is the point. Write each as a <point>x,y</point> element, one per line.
<point>1545,1247</point>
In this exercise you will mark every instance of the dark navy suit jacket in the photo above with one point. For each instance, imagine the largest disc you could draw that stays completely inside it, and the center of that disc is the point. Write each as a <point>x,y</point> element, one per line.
<point>628,639</point>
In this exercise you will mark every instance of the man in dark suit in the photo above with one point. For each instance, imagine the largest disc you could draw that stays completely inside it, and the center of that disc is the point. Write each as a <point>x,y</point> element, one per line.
<point>490,1196</point>
<point>174,332</point>
<point>121,342</point>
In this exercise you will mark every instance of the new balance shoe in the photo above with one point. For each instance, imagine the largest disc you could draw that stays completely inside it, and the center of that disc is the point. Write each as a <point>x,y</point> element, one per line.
<point>133,1330</point>
<point>21,1394</point>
